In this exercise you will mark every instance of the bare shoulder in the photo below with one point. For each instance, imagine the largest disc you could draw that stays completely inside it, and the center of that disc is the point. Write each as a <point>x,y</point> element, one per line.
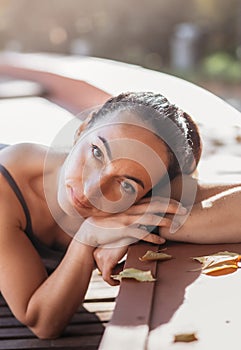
<point>22,152</point>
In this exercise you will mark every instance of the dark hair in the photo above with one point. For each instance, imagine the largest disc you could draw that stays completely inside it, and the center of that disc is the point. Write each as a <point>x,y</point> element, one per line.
<point>175,127</point>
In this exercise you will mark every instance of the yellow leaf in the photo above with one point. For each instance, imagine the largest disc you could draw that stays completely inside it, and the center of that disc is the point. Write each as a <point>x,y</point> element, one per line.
<point>150,255</point>
<point>185,337</point>
<point>220,263</point>
<point>139,275</point>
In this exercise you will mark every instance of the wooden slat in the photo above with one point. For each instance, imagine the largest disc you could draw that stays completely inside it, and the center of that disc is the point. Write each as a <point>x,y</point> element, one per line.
<point>79,318</point>
<point>23,332</point>
<point>9,322</point>
<point>80,342</point>
<point>100,290</point>
<point>98,317</point>
<point>130,321</point>
<point>185,301</point>
<point>5,311</point>
<point>98,307</point>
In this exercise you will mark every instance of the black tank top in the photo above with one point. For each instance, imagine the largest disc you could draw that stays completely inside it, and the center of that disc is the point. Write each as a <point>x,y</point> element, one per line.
<point>45,252</point>
<point>28,230</point>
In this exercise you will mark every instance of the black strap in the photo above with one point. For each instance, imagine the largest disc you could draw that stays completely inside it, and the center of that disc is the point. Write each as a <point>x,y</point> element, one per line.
<point>20,197</point>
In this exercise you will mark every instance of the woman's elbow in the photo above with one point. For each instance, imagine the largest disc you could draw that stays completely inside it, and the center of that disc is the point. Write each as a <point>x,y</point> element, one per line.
<point>42,328</point>
<point>42,324</point>
<point>46,332</point>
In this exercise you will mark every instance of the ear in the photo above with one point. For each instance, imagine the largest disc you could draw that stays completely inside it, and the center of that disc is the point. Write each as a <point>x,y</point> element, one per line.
<point>82,127</point>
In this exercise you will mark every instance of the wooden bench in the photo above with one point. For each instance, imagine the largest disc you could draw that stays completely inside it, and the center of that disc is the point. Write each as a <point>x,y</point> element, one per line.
<point>149,314</point>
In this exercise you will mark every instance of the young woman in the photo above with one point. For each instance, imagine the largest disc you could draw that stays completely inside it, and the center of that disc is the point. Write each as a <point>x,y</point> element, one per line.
<point>93,197</point>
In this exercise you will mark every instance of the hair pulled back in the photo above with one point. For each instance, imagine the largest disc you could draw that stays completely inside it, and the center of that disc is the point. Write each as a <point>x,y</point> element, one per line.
<point>175,127</point>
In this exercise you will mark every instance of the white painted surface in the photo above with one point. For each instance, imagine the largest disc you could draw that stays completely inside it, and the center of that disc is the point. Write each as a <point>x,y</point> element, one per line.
<point>37,120</point>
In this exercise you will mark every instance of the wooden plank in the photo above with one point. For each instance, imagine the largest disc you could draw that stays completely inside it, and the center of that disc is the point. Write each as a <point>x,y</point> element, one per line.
<point>98,317</point>
<point>98,307</point>
<point>80,342</point>
<point>78,318</point>
<point>130,322</point>
<point>5,311</point>
<point>9,322</point>
<point>2,301</point>
<point>187,301</point>
<point>24,332</point>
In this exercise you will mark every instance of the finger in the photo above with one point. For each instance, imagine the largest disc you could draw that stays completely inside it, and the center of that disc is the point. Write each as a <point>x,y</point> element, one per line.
<point>142,234</point>
<point>148,199</point>
<point>155,239</point>
<point>150,220</point>
<point>122,243</point>
<point>164,206</point>
<point>106,275</point>
<point>156,198</point>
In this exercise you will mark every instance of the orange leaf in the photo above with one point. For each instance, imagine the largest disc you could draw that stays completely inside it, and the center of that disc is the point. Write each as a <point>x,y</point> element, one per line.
<point>220,270</point>
<point>218,264</point>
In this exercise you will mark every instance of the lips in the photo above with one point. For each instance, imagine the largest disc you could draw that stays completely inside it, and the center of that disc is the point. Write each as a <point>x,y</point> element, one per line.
<point>78,202</point>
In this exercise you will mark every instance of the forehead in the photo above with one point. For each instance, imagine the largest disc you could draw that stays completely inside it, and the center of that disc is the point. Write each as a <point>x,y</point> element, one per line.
<point>126,127</point>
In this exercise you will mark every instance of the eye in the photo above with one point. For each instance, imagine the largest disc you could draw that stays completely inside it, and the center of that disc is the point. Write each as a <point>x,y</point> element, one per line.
<point>97,152</point>
<point>127,187</point>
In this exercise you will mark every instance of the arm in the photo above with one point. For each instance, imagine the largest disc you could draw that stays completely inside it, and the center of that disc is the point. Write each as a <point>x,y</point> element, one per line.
<point>73,94</point>
<point>213,220</point>
<point>193,190</point>
<point>45,304</point>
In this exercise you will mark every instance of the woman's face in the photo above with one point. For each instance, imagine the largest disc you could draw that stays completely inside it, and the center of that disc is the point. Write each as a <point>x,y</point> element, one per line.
<point>110,168</point>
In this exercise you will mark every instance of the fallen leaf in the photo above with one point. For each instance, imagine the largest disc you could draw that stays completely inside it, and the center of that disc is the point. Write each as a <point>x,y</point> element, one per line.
<point>218,264</point>
<point>185,337</point>
<point>238,138</point>
<point>150,255</point>
<point>139,275</point>
<point>224,269</point>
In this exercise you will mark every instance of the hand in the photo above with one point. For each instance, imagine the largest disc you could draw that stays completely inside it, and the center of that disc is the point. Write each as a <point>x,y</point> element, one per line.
<point>107,261</point>
<point>157,205</point>
<point>129,226</point>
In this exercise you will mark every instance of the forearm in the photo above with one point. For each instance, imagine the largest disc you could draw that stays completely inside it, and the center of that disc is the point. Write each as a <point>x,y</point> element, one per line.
<point>55,301</point>
<point>73,94</point>
<point>190,190</point>
<point>206,191</point>
<point>215,220</point>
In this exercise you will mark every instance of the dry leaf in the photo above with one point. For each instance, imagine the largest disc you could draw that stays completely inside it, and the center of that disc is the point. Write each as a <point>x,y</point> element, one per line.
<point>150,255</point>
<point>224,269</point>
<point>139,275</point>
<point>185,337</point>
<point>218,264</point>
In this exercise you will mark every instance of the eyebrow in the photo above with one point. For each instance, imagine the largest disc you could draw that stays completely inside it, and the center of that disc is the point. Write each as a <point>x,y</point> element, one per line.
<point>135,179</point>
<point>108,150</point>
<point>107,146</point>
